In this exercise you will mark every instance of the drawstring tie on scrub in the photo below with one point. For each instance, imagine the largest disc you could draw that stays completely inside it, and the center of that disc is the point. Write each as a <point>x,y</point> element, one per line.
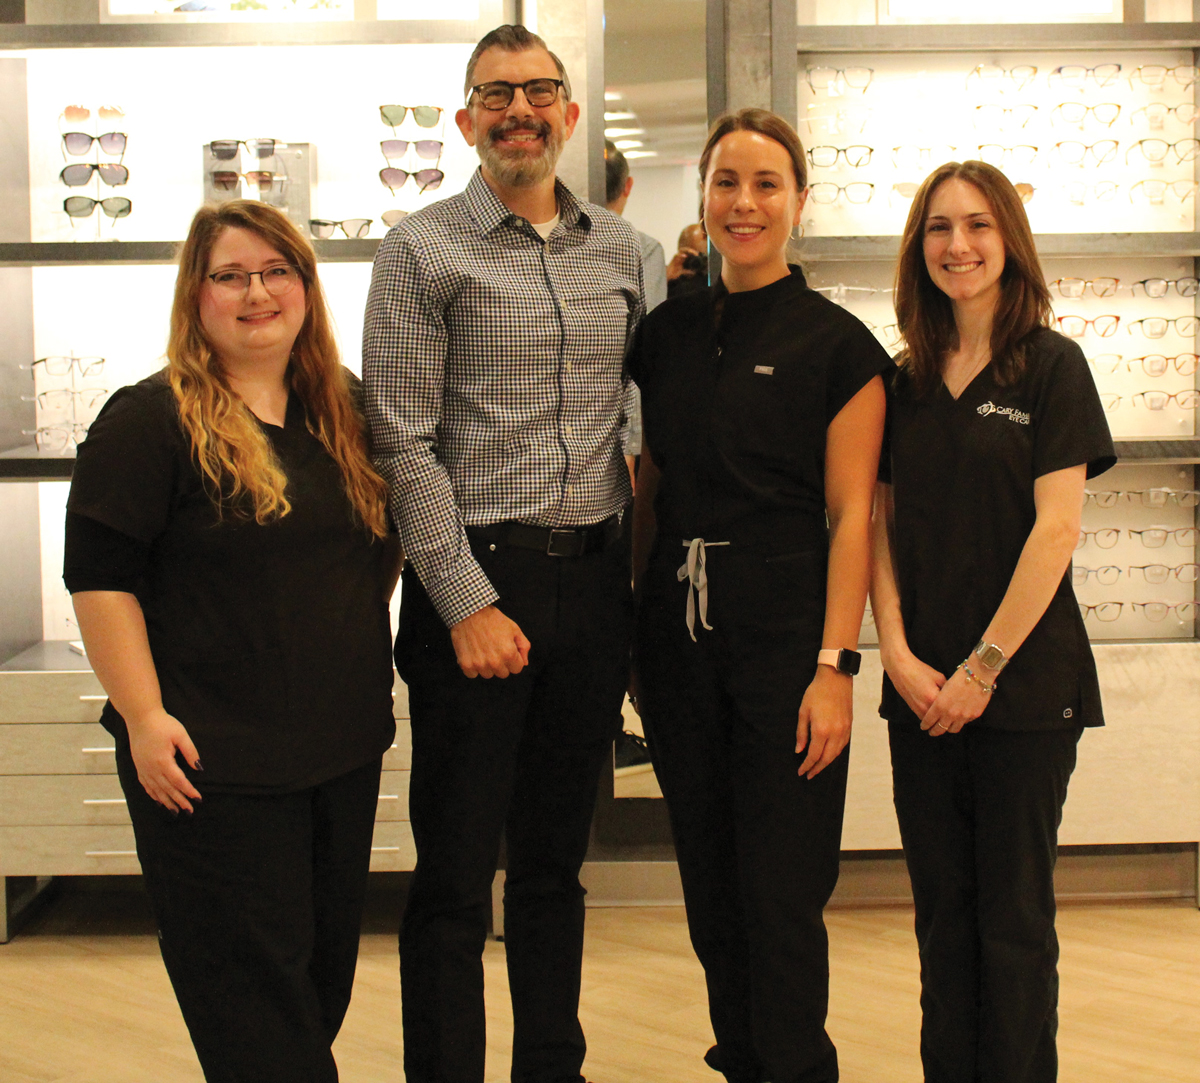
<point>693,570</point>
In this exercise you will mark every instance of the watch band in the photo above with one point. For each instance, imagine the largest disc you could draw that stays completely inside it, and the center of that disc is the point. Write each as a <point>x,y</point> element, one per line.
<point>843,661</point>
<point>990,655</point>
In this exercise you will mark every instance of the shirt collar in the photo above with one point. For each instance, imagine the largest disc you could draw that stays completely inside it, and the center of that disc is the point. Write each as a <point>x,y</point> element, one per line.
<point>490,212</point>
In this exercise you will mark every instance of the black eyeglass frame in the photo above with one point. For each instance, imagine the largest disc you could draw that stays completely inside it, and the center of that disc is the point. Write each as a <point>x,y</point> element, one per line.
<point>475,92</point>
<point>295,278</point>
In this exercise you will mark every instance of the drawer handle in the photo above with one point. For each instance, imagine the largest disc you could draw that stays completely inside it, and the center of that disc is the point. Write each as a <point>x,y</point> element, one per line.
<point>385,849</point>
<point>389,797</point>
<point>110,853</point>
<point>104,800</point>
<point>93,699</point>
<point>96,751</point>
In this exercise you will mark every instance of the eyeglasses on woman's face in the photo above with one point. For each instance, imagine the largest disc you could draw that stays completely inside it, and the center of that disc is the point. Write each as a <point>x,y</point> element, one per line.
<point>277,280</point>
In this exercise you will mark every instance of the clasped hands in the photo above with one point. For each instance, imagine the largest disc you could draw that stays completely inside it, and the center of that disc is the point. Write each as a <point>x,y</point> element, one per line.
<point>943,705</point>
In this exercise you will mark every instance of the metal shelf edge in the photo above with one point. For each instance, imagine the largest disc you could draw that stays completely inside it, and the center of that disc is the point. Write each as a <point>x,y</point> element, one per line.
<point>995,38</point>
<point>76,253</point>
<point>1050,246</point>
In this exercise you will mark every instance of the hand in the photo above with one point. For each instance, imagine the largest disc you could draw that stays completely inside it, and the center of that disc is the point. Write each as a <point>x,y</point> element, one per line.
<point>917,683</point>
<point>153,741</point>
<point>826,713</point>
<point>676,269</point>
<point>957,703</point>
<point>488,644</point>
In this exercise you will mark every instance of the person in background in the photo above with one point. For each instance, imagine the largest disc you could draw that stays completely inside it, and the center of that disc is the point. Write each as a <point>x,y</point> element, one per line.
<point>763,419</point>
<point>994,424</point>
<point>495,332</point>
<point>688,270</point>
<point>226,547</point>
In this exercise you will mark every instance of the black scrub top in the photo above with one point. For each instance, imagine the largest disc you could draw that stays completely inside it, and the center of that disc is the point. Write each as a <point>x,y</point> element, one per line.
<point>962,473</point>
<point>271,642</point>
<point>738,390</point>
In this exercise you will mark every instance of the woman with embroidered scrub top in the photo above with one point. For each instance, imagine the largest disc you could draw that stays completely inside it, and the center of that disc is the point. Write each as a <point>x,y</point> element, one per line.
<point>763,415</point>
<point>228,554</point>
<point>994,424</point>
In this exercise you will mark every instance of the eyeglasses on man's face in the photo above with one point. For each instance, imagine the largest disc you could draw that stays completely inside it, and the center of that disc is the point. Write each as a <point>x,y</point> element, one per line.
<point>499,94</point>
<point>277,280</point>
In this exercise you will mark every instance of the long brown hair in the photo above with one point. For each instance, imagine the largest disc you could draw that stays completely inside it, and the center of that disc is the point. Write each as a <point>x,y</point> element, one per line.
<point>763,121</point>
<point>232,453</point>
<point>925,315</point>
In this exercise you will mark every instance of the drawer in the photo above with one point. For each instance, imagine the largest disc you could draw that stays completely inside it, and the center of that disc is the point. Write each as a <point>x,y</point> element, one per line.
<point>392,848</point>
<point>56,800</point>
<point>67,851</point>
<point>74,696</point>
<point>399,756</point>
<point>57,749</point>
<point>393,796</point>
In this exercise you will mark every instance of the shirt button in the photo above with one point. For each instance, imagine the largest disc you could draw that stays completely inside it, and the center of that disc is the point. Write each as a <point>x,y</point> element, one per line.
<point>570,488</point>
<point>569,430</point>
<point>570,365</point>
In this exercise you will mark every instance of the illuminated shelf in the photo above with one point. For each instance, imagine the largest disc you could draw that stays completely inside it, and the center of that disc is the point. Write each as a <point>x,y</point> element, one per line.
<point>1002,37</point>
<point>74,253</point>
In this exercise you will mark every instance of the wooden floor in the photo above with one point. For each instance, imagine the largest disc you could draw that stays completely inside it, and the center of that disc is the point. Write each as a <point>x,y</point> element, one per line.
<point>84,999</point>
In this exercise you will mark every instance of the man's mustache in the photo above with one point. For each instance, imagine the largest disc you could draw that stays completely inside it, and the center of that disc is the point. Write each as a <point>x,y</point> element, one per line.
<point>506,128</point>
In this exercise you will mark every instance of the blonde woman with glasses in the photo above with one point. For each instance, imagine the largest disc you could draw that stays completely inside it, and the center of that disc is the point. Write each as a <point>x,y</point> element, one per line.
<point>227,550</point>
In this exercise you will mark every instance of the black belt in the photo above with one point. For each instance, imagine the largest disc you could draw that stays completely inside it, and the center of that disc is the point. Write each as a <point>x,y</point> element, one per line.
<point>574,541</point>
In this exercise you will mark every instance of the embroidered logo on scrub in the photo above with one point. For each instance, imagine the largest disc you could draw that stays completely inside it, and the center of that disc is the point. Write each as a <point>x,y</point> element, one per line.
<point>765,370</point>
<point>1010,412</point>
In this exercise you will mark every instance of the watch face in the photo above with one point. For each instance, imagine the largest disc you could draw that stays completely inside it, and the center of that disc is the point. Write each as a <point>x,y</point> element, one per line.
<point>849,662</point>
<point>991,656</point>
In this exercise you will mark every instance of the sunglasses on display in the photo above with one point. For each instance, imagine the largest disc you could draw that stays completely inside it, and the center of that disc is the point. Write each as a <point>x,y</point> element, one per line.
<point>1158,610</point>
<point>61,366</point>
<point>1158,287</point>
<point>997,155</point>
<point>498,94</point>
<point>1155,76</point>
<point>425,116</point>
<point>1105,538</point>
<point>1156,113</point>
<point>77,113</point>
<point>277,280</point>
<point>1076,75</point>
<point>856,192</point>
<point>1155,191</point>
<point>428,180</point>
<point>323,228</point>
<point>1076,113</point>
<point>226,149</point>
<point>1160,573</point>
<point>77,143</point>
<point>63,397</point>
<point>1075,153</point>
<point>1155,364</point>
<point>1004,118</point>
<point>1019,76</point>
<point>83,206</point>
<point>429,149</point>
<point>822,78</point>
<point>1156,537</point>
<point>1105,576</point>
<point>1157,326</point>
<point>80,173</point>
<point>1159,400</point>
<point>1078,192</point>
<point>1105,611</point>
<point>1074,287</point>
<point>1076,326</point>
<point>226,180</point>
<point>1155,151</point>
<point>824,157</point>
<point>393,217</point>
<point>57,438</point>
<point>1159,498</point>
<point>1106,363</point>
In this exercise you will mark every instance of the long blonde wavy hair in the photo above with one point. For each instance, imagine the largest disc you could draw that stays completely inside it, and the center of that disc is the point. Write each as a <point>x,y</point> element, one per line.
<point>231,451</point>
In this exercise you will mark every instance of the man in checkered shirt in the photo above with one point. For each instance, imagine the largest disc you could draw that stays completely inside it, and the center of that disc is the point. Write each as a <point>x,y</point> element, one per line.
<point>493,346</point>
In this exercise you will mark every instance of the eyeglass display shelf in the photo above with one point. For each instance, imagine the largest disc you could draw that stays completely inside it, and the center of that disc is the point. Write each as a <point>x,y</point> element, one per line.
<point>119,35</point>
<point>998,37</point>
<point>29,464</point>
<point>75,253</point>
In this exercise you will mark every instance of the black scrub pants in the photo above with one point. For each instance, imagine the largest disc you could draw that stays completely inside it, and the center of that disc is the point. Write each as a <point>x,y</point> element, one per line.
<point>979,813</point>
<point>758,846</point>
<point>517,758</point>
<point>258,901</point>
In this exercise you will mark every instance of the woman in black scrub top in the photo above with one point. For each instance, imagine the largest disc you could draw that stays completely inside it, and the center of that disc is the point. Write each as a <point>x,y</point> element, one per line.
<point>763,415</point>
<point>226,551</point>
<point>993,425</point>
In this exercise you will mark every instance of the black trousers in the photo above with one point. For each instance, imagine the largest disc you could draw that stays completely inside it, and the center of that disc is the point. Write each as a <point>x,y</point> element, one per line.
<point>979,813</point>
<point>258,901</point>
<point>517,758</point>
<point>758,846</point>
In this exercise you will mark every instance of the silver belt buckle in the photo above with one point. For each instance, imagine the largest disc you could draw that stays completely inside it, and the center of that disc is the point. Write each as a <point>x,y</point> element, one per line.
<point>564,543</point>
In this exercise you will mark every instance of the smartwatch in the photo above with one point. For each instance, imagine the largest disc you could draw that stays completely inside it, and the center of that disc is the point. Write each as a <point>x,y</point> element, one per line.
<point>843,661</point>
<point>990,655</point>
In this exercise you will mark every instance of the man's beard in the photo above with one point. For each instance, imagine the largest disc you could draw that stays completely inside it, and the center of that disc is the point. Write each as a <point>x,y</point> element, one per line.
<point>522,169</point>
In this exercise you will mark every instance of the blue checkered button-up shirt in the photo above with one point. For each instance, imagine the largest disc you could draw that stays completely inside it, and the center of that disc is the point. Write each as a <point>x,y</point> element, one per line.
<point>493,365</point>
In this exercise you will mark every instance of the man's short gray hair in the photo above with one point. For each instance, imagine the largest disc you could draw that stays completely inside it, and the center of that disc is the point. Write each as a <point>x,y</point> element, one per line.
<point>512,39</point>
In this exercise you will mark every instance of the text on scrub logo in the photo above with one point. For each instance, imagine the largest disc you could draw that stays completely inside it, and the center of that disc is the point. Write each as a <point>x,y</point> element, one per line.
<point>1010,412</point>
